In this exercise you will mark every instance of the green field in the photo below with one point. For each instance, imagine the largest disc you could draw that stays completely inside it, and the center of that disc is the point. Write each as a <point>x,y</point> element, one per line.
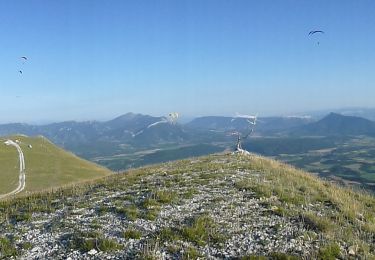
<point>47,166</point>
<point>352,160</point>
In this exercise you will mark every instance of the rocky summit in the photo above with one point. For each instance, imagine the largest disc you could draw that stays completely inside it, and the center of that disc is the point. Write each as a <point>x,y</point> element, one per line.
<point>219,206</point>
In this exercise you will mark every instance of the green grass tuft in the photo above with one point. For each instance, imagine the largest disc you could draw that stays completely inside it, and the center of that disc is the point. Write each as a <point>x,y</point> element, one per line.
<point>202,231</point>
<point>132,234</point>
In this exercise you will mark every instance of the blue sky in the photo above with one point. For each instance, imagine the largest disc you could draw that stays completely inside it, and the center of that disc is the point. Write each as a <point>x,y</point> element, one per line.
<point>99,59</point>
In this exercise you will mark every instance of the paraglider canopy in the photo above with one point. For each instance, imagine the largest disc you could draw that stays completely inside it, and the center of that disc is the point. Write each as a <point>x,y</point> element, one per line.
<point>311,33</point>
<point>314,32</point>
<point>172,117</point>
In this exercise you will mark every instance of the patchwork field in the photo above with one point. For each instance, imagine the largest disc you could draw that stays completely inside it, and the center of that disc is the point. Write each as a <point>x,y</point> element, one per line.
<point>348,160</point>
<point>352,161</point>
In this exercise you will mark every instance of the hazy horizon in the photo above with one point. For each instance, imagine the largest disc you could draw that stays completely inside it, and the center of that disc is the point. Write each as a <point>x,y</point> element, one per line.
<point>186,118</point>
<point>94,60</point>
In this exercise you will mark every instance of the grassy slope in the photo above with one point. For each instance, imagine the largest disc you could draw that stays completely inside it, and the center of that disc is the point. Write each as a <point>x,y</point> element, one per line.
<point>9,168</point>
<point>339,217</point>
<point>47,166</point>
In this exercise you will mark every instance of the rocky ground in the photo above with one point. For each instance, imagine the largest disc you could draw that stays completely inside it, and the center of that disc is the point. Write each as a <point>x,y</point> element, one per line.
<point>197,208</point>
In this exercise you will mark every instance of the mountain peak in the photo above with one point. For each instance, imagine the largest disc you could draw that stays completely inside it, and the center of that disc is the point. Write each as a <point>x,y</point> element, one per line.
<point>334,115</point>
<point>127,116</point>
<point>337,124</point>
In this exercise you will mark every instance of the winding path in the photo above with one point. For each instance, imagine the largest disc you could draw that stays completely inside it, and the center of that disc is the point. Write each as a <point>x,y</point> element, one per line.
<point>22,176</point>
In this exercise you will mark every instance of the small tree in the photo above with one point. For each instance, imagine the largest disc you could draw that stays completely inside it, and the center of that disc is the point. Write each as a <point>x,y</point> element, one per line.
<point>252,120</point>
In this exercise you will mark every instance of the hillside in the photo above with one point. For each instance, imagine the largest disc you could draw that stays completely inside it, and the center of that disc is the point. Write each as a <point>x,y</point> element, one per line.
<point>220,206</point>
<point>47,166</point>
<point>337,124</point>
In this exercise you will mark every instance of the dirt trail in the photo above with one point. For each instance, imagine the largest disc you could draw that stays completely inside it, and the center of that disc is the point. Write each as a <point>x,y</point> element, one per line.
<point>22,175</point>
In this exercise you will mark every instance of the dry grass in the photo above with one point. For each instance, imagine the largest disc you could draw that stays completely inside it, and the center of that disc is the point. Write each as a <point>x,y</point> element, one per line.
<point>340,215</point>
<point>349,214</point>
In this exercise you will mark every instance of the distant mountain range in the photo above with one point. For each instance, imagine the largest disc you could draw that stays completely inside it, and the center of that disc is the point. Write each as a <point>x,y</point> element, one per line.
<point>367,113</point>
<point>337,124</point>
<point>141,129</point>
<point>132,128</point>
<point>131,133</point>
<point>145,130</point>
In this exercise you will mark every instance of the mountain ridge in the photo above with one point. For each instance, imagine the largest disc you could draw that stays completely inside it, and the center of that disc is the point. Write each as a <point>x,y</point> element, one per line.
<point>218,206</point>
<point>122,128</point>
<point>337,124</point>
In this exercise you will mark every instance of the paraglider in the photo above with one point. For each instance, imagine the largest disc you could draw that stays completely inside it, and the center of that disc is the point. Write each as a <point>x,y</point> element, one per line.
<point>172,117</point>
<point>311,33</point>
<point>24,59</point>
